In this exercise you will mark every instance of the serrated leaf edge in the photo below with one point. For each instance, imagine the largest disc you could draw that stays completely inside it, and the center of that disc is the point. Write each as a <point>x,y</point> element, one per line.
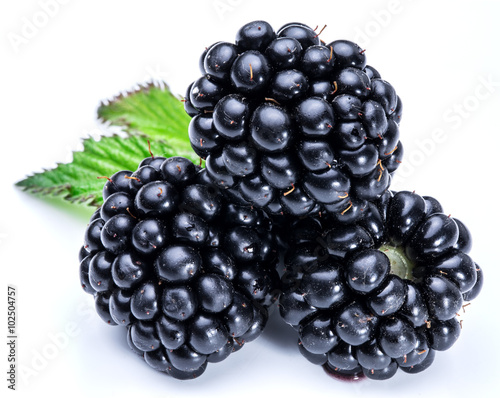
<point>136,89</point>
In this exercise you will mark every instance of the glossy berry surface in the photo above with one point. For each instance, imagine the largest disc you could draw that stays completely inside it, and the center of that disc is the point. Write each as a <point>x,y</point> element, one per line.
<point>188,272</point>
<point>381,292</point>
<point>294,124</point>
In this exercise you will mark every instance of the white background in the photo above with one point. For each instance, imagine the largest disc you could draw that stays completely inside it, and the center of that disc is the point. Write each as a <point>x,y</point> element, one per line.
<point>442,58</point>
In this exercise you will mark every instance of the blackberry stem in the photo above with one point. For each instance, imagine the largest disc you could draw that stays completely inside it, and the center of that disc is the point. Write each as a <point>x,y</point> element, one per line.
<point>400,264</point>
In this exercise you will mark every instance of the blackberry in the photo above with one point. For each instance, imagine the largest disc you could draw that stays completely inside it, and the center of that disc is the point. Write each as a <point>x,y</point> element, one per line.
<point>381,293</point>
<point>189,273</point>
<point>294,125</point>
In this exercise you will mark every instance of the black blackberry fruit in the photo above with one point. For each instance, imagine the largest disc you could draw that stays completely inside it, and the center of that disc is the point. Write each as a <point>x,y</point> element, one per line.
<point>190,274</point>
<point>382,293</point>
<point>293,124</point>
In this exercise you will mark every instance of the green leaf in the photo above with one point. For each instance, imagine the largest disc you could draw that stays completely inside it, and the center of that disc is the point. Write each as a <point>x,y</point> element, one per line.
<point>152,111</point>
<point>79,180</point>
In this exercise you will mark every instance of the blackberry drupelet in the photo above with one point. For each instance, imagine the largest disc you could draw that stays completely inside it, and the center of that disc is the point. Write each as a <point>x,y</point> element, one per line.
<point>382,293</point>
<point>293,124</point>
<point>190,274</point>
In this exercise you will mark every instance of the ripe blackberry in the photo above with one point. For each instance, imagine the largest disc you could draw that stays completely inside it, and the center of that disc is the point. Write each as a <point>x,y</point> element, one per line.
<point>382,293</point>
<point>293,124</point>
<point>188,272</point>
